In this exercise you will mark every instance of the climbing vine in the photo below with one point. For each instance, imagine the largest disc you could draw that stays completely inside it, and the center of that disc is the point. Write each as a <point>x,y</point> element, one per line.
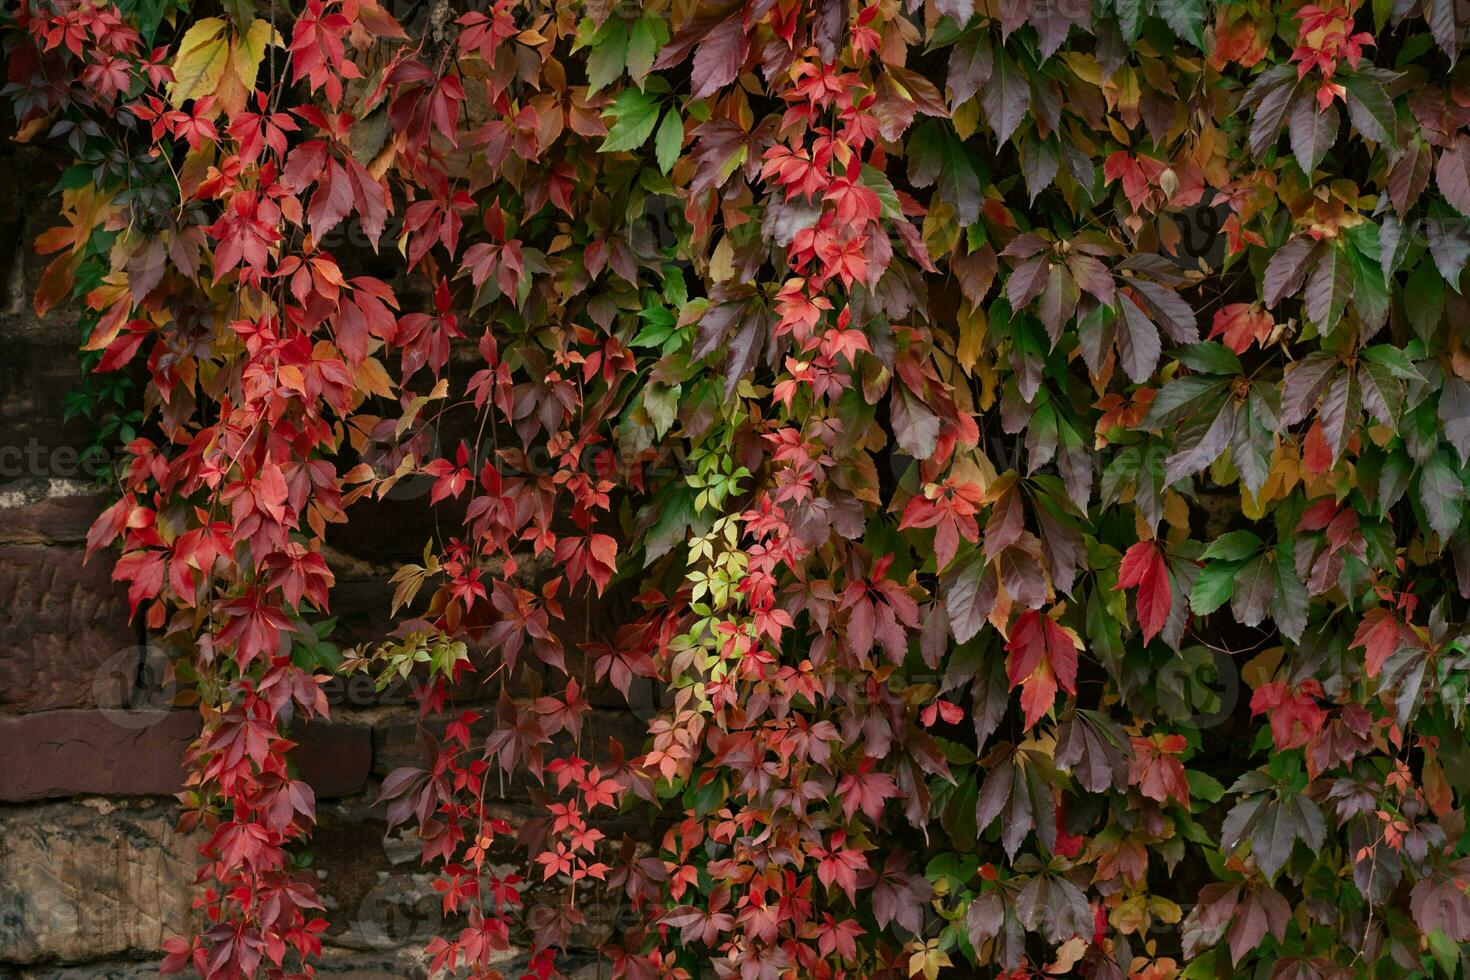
<point>1031,439</point>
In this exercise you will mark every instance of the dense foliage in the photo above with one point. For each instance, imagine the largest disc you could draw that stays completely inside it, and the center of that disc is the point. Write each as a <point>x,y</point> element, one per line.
<point>969,392</point>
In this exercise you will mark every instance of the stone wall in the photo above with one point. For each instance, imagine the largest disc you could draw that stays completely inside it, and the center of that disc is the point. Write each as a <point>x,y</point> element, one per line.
<point>93,875</point>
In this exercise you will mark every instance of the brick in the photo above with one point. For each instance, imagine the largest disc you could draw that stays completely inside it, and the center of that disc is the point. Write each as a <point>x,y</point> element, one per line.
<point>57,754</point>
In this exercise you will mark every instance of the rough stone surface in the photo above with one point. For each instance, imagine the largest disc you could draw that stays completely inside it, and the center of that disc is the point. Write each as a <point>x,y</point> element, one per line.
<point>139,753</point>
<point>64,630</point>
<point>35,510</point>
<point>406,963</point>
<point>80,882</point>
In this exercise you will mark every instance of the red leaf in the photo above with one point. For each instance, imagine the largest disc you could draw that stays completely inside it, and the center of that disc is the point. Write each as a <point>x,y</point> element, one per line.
<point>1156,770</point>
<point>331,202</point>
<point>1043,656</point>
<point>1238,324</point>
<point>1143,567</point>
<point>867,791</point>
<point>1381,635</point>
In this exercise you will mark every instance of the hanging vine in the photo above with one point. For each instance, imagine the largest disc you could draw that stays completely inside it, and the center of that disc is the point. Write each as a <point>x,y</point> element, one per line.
<point>929,377</point>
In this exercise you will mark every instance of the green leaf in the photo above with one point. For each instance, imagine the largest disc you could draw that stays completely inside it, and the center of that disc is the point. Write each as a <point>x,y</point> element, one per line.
<point>609,55</point>
<point>1213,587</point>
<point>1209,357</point>
<point>1186,18</point>
<point>1130,18</point>
<point>1369,107</point>
<point>635,113</point>
<point>648,35</point>
<point>1204,787</point>
<point>669,140</point>
<point>877,182</point>
<point>1233,546</point>
<point>662,404</point>
<point>1395,359</point>
<point>1442,494</point>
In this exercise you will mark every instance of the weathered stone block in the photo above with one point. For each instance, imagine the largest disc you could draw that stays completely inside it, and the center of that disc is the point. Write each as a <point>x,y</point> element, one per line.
<point>80,882</point>
<point>65,640</point>
<point>48,510</point>
<point>118,753</point>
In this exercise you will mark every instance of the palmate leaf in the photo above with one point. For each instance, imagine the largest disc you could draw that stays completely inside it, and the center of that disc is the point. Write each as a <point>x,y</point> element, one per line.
<point>1094,750</point>
<point>937,157</point>
<point>1273,822</point>
<point>634,114</point>
<point>1018,792</point>
<point>739,298</point>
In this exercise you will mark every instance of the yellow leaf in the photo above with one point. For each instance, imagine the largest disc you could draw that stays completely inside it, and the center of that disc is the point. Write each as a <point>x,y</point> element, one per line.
<point>1084,66</point>
<point>973,324</point>
<point>1069,954</point>
<point>928,960</point>
<point>250,52</point>
<point>966,118</point>
<point>941,229</point>
<point>1176,510</point>
<point>1163,909</point>
<point>722,261</point>
<point>1262,667</point>
<point>200,64</point>
<point>372,378</point>
<point>1130,915</point>
<point>974,467</point>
